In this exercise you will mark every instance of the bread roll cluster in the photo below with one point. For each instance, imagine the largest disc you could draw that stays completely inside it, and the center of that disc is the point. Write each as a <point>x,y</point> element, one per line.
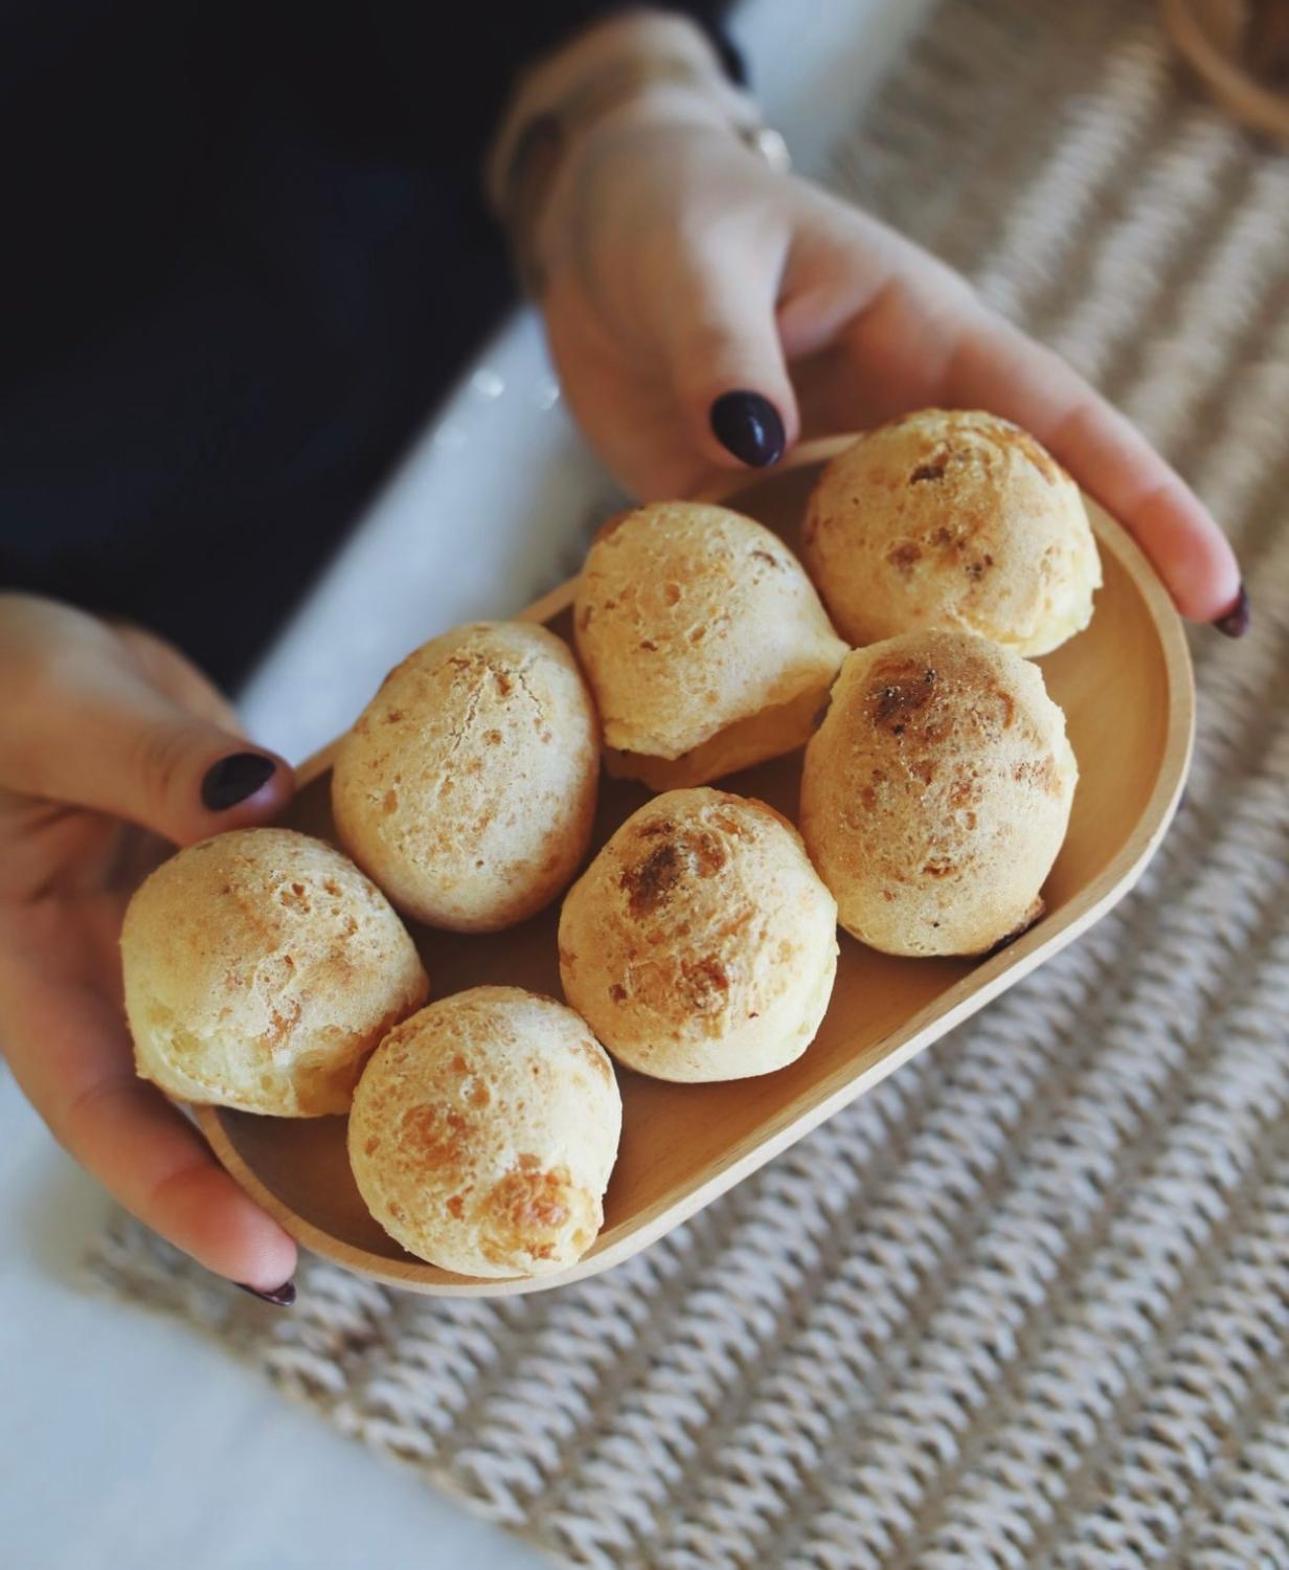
<point>267,971</point>
<point>467,786</point>
<point>483,1133</point>
<point>705,643</point>
<point>261,967</point>
<point>952,520</point>
<point>700,943</point>
<point>936,793</point>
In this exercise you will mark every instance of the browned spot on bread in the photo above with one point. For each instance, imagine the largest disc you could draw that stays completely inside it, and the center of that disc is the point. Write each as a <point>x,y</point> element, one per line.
<point>456,1206</point>
<point>393,716</point>
<point>941,867</point>
<point>390,802</point>
<point>459,1065</point>
<point>1041,772</point>
<point>671,593</point>
<point>649,644</point>
<point>651,831</point>
<point>480,1095</point>
<point>727,823</point>
<point>525,1211</point>
<point>899,691</point>
<point>766,556</point>
<point>505,686</point>
<point>618,992</point>
<point>281,1022</point>
<point>1006,705</point>
<point>591,1052</point>
<point>704,984</point>
<point>436,1136</point>
<point>966,791</point>
<point>649,884</point>
<point>904,556</point>
<point>932,469</point>
<point>492,738</point>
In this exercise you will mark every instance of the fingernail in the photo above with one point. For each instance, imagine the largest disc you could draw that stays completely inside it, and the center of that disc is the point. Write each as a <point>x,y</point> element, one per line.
<point>1235,623</point>
<point>280,1297</point>
<point>233,779</point>
<point>749,426</point>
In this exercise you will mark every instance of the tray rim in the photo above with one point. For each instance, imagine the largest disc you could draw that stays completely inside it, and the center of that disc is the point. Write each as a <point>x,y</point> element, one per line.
<point>846,1083</point>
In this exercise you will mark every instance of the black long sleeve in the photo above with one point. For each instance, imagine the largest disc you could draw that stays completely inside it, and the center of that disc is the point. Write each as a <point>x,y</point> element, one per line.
<point>246,252</point>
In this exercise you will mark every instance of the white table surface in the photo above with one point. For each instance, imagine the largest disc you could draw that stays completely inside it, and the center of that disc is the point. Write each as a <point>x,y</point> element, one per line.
<point>126,1439</point>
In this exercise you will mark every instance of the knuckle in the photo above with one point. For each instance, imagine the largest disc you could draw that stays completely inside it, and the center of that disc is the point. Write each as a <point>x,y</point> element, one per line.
<point>161,754</point>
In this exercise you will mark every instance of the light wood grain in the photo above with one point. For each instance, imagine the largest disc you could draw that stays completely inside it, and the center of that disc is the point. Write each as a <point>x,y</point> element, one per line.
<point>1125,685</point>
<point>1211,36</point>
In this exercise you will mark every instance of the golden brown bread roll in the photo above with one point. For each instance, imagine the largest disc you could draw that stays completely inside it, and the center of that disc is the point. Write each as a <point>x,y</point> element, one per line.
<point>700,943</point>
<point>705,644</point>
<point>952,519</point>
<point>261,967</point>
<point>467,787</point>
<point>483,1133</point>
<point>936,793</point>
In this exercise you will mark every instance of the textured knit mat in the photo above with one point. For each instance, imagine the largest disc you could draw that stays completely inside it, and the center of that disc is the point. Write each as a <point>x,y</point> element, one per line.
<point>1026,1304</point>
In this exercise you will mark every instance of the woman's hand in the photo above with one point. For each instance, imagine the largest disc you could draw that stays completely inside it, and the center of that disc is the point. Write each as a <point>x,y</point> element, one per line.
<point>111,744</point>
<point>704,309</point>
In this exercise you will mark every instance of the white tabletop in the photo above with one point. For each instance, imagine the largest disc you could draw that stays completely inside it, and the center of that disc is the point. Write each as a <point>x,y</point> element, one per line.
<point>127,1439</point>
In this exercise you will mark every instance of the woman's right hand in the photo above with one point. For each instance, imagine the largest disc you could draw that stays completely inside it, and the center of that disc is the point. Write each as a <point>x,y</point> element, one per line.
<point>112,745</point>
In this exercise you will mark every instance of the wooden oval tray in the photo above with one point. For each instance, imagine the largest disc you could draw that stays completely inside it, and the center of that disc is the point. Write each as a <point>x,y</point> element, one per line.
<point>1125,685</point>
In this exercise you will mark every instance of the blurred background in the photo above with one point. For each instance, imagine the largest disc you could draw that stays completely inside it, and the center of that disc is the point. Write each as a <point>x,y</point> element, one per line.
<point>1059,156</point>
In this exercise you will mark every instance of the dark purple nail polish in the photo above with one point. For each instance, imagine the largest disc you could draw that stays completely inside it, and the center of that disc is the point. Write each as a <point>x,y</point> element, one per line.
<point>749,426</point>
<point>233,779</point>
<point>1235,623</point>
<point>280,1297</point>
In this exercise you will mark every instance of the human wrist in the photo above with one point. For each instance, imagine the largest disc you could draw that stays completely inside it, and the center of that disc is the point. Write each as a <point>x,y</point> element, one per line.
<point>662,58</point>
<point>607,94</point>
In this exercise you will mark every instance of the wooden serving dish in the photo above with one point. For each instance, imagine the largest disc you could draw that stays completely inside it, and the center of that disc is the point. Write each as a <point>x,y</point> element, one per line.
<point>1125,685</point>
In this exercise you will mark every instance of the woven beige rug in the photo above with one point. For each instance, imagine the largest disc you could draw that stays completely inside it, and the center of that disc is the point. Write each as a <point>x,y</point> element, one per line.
<point>1027,1304</point>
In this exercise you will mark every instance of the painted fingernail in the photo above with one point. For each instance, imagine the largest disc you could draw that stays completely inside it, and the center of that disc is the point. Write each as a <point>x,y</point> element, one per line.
<point>280,1297</point>
<point>749,426</point>
<point>1235,623</point>
<point>233,779</point>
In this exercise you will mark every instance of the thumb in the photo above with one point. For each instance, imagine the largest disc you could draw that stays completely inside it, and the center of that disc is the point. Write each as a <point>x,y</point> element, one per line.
<point>89,725</point>
<point>727,363</point>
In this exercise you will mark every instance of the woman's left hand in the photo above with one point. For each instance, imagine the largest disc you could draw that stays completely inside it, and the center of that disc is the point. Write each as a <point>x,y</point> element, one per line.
<point>703,309</point>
